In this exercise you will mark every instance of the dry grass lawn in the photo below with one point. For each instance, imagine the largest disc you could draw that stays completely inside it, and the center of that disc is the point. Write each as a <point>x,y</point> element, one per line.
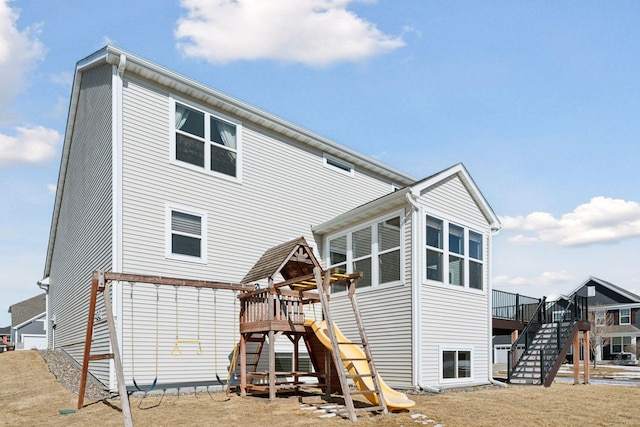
<point>30,396</point>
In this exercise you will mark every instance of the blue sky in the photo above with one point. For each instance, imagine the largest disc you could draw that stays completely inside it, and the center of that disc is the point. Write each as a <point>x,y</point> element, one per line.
<point>540,101</point>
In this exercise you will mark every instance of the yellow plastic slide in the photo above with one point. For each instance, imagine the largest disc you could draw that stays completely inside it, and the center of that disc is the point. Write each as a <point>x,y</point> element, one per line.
<point>394,399</point>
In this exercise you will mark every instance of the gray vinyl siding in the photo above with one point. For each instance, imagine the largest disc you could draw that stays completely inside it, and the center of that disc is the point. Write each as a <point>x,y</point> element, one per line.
<point>451,316</point>
<point>285,190</point>
<point>386,314</point>
<point>84,230</point>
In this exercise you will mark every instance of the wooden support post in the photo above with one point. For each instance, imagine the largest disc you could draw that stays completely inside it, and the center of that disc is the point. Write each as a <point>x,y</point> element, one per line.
<point>576,359</point>
<point>243,365</point>
<point>272,366</point>
<point>514,356</point>
<point>122,387</point>
<point>587,356</point>
<point>88,338</point>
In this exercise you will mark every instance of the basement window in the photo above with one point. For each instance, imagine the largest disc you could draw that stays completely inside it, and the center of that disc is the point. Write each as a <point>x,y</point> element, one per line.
<point>455,364</point>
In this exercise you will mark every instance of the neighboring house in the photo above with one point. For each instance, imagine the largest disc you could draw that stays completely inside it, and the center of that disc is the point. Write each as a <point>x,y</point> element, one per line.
<point>615,312</point>
<point>28,323</point>
<point>5,339</point>
<point>161,175</point>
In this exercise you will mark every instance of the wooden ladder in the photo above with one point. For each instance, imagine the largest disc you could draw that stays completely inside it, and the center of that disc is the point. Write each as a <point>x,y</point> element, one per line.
<point>251,366</point>
<point>324,283</point>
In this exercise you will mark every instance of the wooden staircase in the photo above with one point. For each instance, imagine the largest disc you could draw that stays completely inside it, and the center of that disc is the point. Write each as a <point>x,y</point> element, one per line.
<point>341,361</point>
<point>255,343</point>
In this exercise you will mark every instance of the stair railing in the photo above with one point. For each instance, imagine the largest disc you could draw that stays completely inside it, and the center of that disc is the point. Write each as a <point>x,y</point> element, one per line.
<point>520,347</point>
<point>564,314</point>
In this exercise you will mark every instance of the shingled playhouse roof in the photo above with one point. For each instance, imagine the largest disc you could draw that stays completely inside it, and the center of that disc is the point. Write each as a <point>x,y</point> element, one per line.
<point>291,259</point>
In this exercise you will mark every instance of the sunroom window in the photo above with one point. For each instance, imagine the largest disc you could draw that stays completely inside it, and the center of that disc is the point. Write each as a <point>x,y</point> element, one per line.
<point>460,255</point>
<point>205,141</point>
<point>373,249</point>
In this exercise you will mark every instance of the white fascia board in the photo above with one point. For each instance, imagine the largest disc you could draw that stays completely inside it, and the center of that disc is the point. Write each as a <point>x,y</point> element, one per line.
<point>389,201</point>
<point>199,91</point>
<point>470,185</point>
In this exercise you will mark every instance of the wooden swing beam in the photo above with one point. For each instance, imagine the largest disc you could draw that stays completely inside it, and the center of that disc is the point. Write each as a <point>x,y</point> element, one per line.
<point>101,282</point>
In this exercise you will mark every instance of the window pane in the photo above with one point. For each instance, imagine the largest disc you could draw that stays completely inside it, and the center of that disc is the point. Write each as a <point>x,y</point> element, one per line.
<point>456,239</point>
<point>389,268</point>
<point>189,150</point>
<point>464,364</point>
<point>304,363</point>
<point>186,223</point>
<point>189,120</point>
<point>448,364</point>
<point>456,271</point>
<point>361,242</point>
<point>475,245</point>
<point>434,232</point>
<point>185,245</point>
<point>223,161</point>
<point>625,316</point>
<point>338,250</point>
<point>223,133</point>
<point>389,234</point>
<point>364,265</point>
<point>475,275</point>
<point>434,266</point>
<point>284,362</point>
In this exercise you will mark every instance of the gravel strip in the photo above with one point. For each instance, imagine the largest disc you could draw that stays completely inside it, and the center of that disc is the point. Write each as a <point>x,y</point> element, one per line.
<point>68,374</point>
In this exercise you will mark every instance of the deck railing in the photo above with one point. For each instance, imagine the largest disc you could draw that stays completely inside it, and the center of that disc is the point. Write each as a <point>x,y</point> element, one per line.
<point>271,305</point>
<point>508,306</point>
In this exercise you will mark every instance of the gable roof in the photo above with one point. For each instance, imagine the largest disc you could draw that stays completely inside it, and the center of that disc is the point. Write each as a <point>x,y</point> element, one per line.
<point>291,259</point>
<point>27,309</point>
<point>5,331</point>
<point>617,289</point>
<point>129,63</point>
<point>399,198</point>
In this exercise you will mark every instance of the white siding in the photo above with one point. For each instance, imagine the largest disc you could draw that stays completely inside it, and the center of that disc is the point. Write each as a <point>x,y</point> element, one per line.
<point>83,239</point>
<point>284,191</point>
<point>451,316</point>
<point>386,314</point>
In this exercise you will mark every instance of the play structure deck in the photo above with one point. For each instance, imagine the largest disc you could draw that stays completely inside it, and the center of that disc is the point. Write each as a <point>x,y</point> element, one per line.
<point>294,280</point>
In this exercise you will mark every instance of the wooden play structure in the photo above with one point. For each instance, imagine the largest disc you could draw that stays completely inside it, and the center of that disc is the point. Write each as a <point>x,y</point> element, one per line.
<point>295,280</point>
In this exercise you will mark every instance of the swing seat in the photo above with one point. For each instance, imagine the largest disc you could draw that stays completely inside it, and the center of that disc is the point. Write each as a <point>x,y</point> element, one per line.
<point>153,385</point>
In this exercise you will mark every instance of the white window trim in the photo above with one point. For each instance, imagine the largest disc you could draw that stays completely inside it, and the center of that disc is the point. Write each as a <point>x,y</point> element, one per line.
<point>620,316</point>
<point>447,219</point>
<point>622,337</point>
<point>374,265</point>
<point>168,233</point>
<point>452,347</point>
<point>207,152</point>
<point>326,158</point>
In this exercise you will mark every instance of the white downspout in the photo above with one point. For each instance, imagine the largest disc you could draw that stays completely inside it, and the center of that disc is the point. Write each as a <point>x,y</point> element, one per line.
<point>494,231</point>
<point>416,312</point>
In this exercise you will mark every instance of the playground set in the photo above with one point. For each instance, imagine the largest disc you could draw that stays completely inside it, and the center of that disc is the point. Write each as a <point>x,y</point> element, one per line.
<point>295,280</point>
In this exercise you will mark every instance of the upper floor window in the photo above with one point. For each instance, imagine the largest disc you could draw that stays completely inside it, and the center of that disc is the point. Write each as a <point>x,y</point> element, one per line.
<point>458,258</point>
<point>373,250</point>
<point>625,316</point>
<point>205,141</point>
<point>186,234</point>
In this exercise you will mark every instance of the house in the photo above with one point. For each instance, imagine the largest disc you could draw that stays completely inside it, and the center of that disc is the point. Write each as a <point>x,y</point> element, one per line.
<point>614,315</point>
<point>28,323</point>
<point>5,339</point>
<point>161,175</point>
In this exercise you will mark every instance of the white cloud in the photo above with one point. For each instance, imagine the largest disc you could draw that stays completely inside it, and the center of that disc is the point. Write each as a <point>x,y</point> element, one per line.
<point>19,52</point>
<point>602,220</point>
<point>31,145</point>
<point>52,188</point>
<point>312,32</point>
<point>548,278</point>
